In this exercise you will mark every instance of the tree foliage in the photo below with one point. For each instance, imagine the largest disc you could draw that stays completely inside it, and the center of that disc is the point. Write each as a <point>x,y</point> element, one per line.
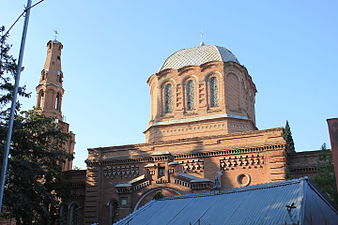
<point>325,178</point>
<point>35,183</point>
<point>8,68</point>
<point>288,137</point>
<point>158,195</point>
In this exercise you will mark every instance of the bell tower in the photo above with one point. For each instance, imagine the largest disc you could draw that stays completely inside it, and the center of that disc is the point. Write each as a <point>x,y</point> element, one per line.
<point>50,90</point>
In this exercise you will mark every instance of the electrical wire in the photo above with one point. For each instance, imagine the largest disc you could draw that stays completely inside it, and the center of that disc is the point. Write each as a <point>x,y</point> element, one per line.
<point>19,18</point>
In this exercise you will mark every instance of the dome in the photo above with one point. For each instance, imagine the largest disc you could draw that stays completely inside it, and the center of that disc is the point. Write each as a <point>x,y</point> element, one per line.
<point>197,56</point>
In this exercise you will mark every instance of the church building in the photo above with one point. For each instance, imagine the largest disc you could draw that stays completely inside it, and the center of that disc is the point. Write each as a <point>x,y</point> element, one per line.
<point>202,125</point>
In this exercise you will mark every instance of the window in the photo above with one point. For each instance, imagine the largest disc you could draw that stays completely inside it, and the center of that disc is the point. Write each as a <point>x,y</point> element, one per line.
<point>124,202</point>
<point>213,87</point>
<point>57,102</point>
<point>189,87</point>
<point>160,172</point>
<point>59,76</point>
<point>168,108</point>
<point>41,100</point>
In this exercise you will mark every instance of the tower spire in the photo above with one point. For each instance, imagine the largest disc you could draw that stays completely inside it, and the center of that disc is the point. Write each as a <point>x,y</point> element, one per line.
<point>50,90</point>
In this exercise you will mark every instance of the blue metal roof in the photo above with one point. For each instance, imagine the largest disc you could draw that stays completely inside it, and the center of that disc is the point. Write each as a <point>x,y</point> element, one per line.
<point>259,204</point>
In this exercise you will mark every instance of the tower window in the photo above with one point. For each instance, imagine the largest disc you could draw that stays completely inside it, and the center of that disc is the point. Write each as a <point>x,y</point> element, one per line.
<point>189,87</point>
<point>40,100</point>
<point>168,108</point>
<point>213,87</point>
<point>57,102</point>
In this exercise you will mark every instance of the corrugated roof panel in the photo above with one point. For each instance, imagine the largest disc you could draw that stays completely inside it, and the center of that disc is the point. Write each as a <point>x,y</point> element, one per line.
<point>317,209</point>
<point>260,204</point>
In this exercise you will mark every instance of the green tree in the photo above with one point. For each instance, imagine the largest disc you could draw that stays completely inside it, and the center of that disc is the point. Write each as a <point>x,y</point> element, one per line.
<point>35,182</point>
<point>325,178</point>
<point>288,137</point>
<point>158,195</point>
<point>8,68</point>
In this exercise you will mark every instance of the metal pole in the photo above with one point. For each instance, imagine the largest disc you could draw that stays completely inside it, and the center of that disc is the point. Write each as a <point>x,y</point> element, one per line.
<point>13,106</point>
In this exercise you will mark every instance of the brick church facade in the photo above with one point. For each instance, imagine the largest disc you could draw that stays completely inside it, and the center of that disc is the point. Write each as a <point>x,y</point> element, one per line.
<point>202,133</point>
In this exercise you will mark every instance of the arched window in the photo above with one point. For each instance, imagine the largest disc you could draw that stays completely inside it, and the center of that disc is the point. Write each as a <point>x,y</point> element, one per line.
<point>213,87</point>
<point>168,104</point>
<point>57,102</point>
<point>73,214</point>
<point>40,100</point>
<point>63,214</point>
<point>190,100</point>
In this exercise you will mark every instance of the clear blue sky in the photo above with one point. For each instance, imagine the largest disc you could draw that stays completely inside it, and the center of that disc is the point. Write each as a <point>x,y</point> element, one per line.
<point>289,47</point>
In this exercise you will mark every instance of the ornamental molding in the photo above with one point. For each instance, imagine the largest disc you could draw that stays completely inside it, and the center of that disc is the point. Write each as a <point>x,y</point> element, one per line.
<point>224,152</point>
<point>196,119</point>
<point>129,171</point>
<point>242,162</point>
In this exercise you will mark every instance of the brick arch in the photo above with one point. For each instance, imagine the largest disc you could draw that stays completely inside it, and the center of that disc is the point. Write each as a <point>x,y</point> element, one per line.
<point>215,73</point>
<point>189,77</point>
<point>147,196</point>
<point>167,81</point>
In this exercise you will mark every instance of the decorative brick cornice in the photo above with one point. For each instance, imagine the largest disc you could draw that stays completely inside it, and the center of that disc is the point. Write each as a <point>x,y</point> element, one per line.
<point>187,155</point>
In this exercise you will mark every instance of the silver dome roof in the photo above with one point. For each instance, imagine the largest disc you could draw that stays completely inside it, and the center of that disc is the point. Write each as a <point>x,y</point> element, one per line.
<point>197,56</point>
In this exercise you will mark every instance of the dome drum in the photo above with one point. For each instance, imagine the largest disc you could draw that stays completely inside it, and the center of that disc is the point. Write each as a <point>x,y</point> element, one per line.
<point>189,91</point>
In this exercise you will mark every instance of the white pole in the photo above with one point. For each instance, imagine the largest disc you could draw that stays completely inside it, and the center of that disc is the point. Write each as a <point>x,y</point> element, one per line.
<point>13,106</point>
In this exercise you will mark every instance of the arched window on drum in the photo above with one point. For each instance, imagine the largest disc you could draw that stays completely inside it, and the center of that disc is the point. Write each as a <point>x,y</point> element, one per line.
<point>168,98</point>
<point>213,92</point>
<point>190,95</point>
